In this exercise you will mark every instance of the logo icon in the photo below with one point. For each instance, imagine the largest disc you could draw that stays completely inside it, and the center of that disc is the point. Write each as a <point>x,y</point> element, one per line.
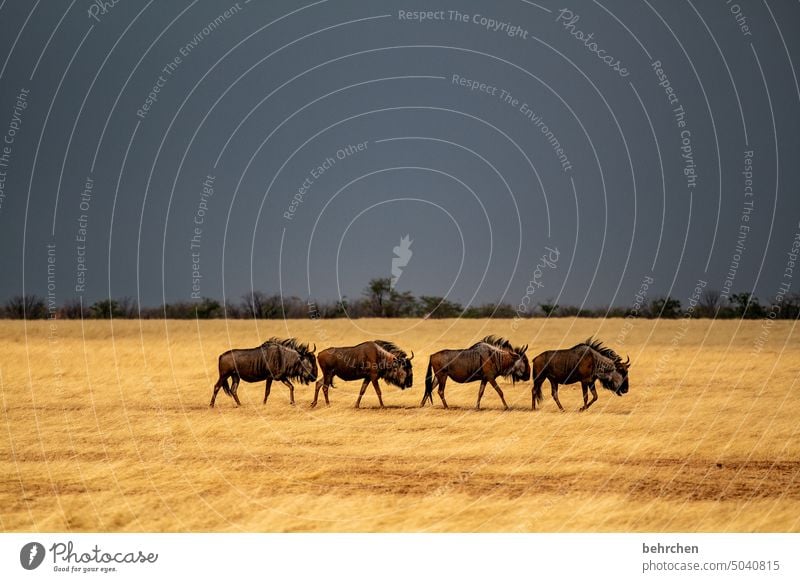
<point>403,254</point>
<point>31,555</point>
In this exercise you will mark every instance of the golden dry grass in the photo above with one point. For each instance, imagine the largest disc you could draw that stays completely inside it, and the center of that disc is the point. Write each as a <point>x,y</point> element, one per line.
<point>107,427</point>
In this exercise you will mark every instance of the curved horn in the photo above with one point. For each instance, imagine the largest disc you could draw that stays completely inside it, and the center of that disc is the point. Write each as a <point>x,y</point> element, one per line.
<point>524,349</point>
<point>314,349</point>
<point>627,362</point>
<point>412,356</point>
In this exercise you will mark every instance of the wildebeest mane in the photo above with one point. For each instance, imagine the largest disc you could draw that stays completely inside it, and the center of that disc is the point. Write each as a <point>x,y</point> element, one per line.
<point>290,343</point>
<point>392,348</point>
<point>598,346</point>
<point>496,341</point>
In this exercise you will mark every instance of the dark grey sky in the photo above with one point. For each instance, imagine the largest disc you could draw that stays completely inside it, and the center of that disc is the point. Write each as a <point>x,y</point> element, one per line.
<point>270,92</point>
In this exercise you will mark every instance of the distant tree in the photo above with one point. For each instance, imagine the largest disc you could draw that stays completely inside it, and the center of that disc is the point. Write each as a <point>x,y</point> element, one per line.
<point>498,310</point>
<point>232,310</point>
<point>25,307</point>
<point>342,308</point>
<point>262,306</point>
<point>791,306</point>
<point>73,309</point>
<point>208,308</point>
<point>665,307</point>
<point>569,311</point>
<point>438,307</point>
<point>617,312</point>
<point>377,292</point>
<point>128,308</point>
<point>746,305</point>
<point>709,304</point>
<point>401,304</point>
<point>549,308</point>
<point>502,310</point>
<point>105,309</point>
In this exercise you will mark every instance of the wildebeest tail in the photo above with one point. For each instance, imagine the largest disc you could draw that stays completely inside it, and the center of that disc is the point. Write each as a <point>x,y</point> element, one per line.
<point>223,383</point>
<point>539,375</point>
<point>537,393</point>
<point>429,382</point>
<point>223,377</point>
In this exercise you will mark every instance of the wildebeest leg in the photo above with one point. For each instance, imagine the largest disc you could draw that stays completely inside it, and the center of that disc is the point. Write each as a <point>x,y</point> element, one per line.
<point>480,394</point>
<point>291,391</point>
<point>554,392</point>
<point>594,396</point>
<point>220,383</point>
<point>234,388</point>
<point>325,393</point>
<point>442,381</point>
<point>585,389</point>
<point>361,394</point>
<point>267,388</point>
<point>499,392</point>
<point>316,393</point>
<point>378,391</point>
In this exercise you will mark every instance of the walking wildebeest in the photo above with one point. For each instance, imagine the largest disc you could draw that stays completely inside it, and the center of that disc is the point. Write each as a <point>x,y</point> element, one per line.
<point>275,359</point>
<point>584,363</point>
<point>486,360</point>
<point>368,361</point>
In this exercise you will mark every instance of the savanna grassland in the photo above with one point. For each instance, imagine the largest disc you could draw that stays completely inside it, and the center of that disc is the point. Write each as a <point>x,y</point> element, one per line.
<point>106,427</point>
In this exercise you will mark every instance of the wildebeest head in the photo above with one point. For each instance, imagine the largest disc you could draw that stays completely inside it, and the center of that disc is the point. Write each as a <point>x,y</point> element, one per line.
<point>521,370</point>
<point>617,381</point>
<point>308,364</point>
<point>405,373</point>
<point>396,367</point>
<point>622,370</point>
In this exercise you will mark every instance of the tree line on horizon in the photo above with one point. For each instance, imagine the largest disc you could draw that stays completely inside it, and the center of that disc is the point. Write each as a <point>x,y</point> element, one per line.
<point>380,299</point>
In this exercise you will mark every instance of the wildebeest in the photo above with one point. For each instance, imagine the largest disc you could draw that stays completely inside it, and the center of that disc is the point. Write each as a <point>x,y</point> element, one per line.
<point>584,363</point>
<point>275,359</point>
<point>486,360</point>
<point>368,361</point>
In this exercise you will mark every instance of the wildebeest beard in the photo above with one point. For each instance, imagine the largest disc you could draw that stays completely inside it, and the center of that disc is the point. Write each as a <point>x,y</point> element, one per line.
<point>616,382</point>
<point>398,374</point>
